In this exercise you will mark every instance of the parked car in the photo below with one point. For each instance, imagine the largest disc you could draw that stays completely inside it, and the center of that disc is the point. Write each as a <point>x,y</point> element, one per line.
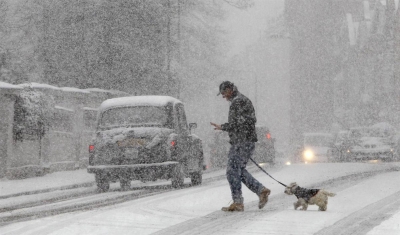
<point>316,147</point>
<point>144,138</point>
<point>370,143</point>
<point>264,149</point>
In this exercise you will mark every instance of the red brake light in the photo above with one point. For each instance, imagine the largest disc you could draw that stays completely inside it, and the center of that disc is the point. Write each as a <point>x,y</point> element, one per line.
<point>173,143</point>
<point>268,135</point>
<point>91,148</point>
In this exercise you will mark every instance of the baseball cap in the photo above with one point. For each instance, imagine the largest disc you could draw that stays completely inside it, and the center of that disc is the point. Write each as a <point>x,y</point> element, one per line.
<point>224,85</point>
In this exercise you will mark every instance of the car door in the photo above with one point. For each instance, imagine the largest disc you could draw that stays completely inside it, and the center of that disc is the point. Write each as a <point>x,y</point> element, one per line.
<point>184,137</point>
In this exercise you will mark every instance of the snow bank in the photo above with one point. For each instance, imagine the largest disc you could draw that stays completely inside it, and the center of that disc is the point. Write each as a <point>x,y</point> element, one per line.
<point>8,86</point>
<point>73,89</point>
<point>39,85</point>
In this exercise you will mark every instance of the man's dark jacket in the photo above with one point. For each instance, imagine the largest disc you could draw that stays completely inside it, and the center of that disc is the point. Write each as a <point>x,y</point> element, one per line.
<point>241,121</point>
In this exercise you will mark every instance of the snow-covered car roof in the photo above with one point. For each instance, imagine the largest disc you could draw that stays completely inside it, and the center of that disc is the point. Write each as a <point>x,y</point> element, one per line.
<point>138,101</point>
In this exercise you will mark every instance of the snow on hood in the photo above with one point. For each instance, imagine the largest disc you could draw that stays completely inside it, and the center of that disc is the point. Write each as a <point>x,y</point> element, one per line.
<point>138,101</point>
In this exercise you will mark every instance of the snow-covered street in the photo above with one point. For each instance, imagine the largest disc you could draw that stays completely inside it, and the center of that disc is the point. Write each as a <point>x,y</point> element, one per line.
<point>367,194</point>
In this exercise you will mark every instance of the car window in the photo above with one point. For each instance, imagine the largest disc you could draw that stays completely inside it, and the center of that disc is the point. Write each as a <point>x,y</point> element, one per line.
<point>182,123</point>
<point>138,115</point>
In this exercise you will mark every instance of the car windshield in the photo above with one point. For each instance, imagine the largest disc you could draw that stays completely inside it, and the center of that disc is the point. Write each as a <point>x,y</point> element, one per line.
<point>318,141</point>
<point>137,115</point>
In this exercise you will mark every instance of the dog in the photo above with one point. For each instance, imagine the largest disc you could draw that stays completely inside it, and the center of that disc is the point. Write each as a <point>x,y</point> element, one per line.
<point>307,197</point>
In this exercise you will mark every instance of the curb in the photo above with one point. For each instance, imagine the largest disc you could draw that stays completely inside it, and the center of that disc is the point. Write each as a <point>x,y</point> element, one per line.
<point>81,185</point>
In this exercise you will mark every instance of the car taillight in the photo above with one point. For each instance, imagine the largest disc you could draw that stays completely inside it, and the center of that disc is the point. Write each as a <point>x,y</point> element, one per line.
<point>91,148</point>
<point>173,143</point>
<point>268,135</point>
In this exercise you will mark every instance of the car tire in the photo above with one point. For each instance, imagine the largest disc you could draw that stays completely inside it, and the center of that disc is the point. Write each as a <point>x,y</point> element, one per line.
<point>103,184</point>
<point>178,177</point>
<point>125,184</point>
<point>196,178</point>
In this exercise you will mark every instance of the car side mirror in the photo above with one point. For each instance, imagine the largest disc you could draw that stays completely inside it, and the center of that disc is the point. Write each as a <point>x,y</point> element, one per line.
<point>192,126</point>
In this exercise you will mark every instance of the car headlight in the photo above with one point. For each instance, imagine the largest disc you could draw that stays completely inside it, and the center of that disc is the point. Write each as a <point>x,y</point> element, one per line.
<point>308,154</point>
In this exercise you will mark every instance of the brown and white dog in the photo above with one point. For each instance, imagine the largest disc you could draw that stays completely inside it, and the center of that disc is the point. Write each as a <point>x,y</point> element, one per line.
<point>307,197</point>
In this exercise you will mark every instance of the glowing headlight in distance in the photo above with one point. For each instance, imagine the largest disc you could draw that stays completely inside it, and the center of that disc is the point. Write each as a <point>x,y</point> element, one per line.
<point>308,154</point>
<point>288,163</point>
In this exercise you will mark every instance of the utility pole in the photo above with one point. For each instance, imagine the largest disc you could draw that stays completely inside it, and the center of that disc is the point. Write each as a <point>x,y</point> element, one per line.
<point>169,40</point>
<point>179,48</point>
<point>45,44</point>
<point>396,51</point>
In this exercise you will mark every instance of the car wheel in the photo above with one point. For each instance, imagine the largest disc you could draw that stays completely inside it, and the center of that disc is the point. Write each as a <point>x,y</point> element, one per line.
<point>103,184</point>
<point>125,184</point>
<point>177,176</point>
<point>196,178</point>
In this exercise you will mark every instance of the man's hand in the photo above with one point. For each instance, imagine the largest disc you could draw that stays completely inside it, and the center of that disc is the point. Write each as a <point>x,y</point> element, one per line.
<point>216,126</point>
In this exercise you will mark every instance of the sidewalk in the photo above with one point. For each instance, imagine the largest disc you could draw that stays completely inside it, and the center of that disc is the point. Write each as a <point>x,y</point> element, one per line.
<point>48,182</point>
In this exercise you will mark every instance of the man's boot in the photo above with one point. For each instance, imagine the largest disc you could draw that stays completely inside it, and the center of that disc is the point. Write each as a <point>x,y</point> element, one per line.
<point>234,207</point>
<point>263,197</point>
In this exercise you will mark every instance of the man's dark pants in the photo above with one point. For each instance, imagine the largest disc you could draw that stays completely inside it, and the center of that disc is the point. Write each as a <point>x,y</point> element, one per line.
<point>236,173</point>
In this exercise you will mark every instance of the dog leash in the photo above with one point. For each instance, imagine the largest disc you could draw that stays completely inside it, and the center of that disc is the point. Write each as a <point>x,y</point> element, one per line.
<point>284,185</point>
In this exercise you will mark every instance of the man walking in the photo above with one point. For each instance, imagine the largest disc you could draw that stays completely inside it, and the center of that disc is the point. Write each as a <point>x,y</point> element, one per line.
<point>242,135</point>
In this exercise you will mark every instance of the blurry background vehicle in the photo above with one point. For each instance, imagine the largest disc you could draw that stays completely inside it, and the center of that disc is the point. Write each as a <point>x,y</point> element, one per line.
<point>264,152</point>
<point>316,147</point>
<point>265,148</point>
<point>372,143</point>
